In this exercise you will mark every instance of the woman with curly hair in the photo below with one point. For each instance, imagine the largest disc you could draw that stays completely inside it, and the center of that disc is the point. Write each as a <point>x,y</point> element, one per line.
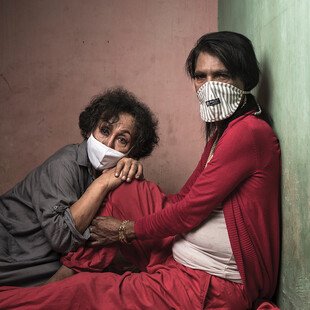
<point>46,215</point>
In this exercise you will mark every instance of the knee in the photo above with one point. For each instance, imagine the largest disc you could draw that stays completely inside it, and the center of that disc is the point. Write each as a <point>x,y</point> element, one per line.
<point>128,192</point>
<point>135,199</point>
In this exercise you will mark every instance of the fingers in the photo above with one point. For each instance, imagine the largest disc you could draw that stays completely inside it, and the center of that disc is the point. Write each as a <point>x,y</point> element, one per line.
<point>94,243</point>
<point>139,174</point>
<point>119,167</point>
<point>96,239</point>
<point>100,240</point>
<point>135,171</point>
<point>128,168</point>
<point>104,231</point>
<point>125,171</point>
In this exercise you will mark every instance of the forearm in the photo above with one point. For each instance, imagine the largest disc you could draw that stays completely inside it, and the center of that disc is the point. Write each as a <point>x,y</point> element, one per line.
<point>84,210</point>
<point>62,273</point>
<point>235,158</point>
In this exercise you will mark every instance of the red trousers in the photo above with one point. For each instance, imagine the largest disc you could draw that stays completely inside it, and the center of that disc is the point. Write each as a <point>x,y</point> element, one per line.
<point>162,284</point>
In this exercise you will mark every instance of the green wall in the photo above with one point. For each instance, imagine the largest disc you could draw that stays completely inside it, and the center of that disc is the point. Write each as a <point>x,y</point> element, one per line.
<point>280,32</point>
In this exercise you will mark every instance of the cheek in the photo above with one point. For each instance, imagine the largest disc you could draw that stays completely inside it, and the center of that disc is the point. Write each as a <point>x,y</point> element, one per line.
<point>197,85</point>
<point>122,149</point>
<point>98,136</point>
<point>238,83</point>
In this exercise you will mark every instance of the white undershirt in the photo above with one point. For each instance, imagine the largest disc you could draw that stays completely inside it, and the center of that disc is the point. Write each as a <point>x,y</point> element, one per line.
<point>208,247</point>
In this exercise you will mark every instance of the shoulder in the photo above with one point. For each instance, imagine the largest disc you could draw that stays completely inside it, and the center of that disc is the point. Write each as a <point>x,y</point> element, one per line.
<point>252,128</point>
<point>68,152</point>
<point>62,165</point>
<point>62,161</point>
<point>249,132</point>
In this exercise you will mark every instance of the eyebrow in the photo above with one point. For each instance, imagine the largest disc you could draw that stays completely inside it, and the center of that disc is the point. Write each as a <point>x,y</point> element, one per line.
<point>126,131</point>
<point>214,72</point>
<point>199,72</point>
<point>225,71</point>
<point>110,124</point>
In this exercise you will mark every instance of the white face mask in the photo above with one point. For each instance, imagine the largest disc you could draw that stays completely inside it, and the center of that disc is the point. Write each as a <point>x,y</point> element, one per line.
<point>101,156</point>
<point>218,100</point>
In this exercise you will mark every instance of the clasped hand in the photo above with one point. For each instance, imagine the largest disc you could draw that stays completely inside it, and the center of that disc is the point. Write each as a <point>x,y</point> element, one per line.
<point>129,168</point>
<point>104,231</point>
<point>125,171</point>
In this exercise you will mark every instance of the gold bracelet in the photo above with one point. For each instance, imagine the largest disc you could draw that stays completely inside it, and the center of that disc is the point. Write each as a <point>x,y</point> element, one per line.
<point>122,232</point>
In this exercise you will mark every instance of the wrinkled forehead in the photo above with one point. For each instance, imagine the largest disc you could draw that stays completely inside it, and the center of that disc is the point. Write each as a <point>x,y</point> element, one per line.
<point>113,118</point>
<point>223,60</point>
<point>108,118</point>
<point>205,59</point>
<point>123,121</point>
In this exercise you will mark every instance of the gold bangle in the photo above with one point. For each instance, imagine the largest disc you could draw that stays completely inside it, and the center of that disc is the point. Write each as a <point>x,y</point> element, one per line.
<point>122,232</point>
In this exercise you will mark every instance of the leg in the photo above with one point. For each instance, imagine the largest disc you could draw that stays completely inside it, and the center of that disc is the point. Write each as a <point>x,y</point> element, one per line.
<point>128,201</point>
<point>226,295</point>
<point>170,286</point>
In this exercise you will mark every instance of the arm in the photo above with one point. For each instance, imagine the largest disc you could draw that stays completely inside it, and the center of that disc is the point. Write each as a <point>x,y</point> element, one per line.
<point>85,208</point>
<point>62,208</point>
<point>234,160</point>
<point>104,229</point>
<point>62,273</point>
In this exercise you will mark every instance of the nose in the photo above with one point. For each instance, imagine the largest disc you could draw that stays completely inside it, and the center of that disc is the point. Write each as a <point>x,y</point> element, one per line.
<point>110,142</point>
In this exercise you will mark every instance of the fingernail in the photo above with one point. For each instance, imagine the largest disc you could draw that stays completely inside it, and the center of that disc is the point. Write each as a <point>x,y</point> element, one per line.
<point>137,176</point>
<point>124,178</point>
<point>116,174</point>
<point>128,179</point>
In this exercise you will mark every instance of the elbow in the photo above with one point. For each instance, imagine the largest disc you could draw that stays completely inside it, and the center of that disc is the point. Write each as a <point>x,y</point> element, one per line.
<point>62,242</point>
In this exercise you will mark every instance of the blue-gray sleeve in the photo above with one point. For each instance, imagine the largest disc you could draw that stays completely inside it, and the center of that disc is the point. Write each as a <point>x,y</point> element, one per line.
<point>56,186</point>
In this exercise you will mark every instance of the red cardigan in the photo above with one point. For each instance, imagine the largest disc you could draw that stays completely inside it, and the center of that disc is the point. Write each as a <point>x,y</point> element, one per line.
<point>243,176</point>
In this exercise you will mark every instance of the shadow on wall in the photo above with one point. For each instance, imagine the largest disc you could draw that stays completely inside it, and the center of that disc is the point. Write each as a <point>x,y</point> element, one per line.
<point>264,98</point>
<point>264,88</point>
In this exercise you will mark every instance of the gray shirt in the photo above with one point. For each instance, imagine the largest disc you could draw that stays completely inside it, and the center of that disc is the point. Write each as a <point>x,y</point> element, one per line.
<point>36,225</point>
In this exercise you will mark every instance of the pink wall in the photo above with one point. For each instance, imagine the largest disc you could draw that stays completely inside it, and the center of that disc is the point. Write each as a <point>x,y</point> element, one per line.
<point>55,55</point>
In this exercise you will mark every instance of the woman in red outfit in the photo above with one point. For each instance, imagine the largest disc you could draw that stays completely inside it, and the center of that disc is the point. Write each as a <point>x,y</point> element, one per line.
<point>215,244</point>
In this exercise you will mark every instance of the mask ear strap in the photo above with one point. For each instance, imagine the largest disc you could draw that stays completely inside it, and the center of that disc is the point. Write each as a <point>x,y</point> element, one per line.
<point>244,100</point>
<point>130,150</point>
<point>259,110</point>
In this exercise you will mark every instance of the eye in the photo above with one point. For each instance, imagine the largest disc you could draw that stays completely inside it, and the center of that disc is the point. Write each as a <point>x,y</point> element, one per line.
<point>223,76</point>
<point>199,77</point>
<point>123,141</point>
<point>105,130</point>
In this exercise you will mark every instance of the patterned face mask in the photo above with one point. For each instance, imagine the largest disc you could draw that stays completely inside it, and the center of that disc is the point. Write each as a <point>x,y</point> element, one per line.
<point>218,100</point>
<point>101,156</point>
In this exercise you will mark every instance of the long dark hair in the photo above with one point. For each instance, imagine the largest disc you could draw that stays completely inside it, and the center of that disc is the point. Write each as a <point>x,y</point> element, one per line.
<point>237,54</point>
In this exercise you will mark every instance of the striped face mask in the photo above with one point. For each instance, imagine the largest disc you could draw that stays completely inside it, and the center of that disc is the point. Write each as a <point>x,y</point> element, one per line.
<point>218,100</point>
